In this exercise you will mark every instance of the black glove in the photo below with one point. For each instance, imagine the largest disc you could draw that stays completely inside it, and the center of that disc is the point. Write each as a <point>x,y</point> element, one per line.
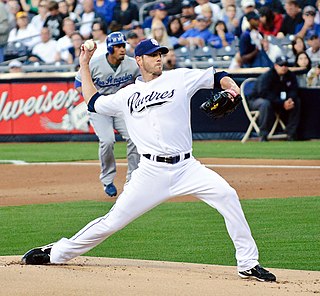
<point>221,104</point>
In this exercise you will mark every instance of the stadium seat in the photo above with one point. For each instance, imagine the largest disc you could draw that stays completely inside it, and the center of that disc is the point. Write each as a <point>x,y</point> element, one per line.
<point>203,53</point>
<point>226,53</point>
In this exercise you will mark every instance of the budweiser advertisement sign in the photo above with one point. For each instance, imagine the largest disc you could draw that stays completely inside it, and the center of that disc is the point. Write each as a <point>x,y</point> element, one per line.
<point>42,108</point>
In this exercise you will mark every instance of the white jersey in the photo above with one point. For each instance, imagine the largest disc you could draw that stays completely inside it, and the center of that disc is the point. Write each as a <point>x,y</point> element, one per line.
<point>161,107</point>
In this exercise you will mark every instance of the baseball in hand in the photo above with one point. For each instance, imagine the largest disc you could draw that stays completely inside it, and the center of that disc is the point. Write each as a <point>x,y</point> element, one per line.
<point>89,44</point>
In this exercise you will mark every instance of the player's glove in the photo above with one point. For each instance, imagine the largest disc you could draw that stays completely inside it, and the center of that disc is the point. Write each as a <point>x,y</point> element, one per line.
<point>221,104</point>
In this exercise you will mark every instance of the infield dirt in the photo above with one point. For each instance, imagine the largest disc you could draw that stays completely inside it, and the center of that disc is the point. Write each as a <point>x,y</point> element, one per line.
<point>31,184</point>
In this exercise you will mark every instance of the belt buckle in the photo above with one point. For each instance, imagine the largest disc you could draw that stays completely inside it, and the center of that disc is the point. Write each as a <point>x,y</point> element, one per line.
<point>175,159</point>
<point>168,160</point>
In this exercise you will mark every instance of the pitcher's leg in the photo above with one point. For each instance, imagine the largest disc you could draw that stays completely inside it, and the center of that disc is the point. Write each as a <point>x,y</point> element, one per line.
<point>208,186</point>
<point>147,189</point>
<point>133,156</point>
<point>103,127</point>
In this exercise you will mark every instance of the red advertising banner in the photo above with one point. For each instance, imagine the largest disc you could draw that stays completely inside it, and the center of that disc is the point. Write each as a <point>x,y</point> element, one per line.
<point>42,108</point>
<point>5,125</point>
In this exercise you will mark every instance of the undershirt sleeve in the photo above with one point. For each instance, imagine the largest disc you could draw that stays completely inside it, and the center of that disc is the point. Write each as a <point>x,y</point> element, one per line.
<point>92,101</point>
<point>217,78</point>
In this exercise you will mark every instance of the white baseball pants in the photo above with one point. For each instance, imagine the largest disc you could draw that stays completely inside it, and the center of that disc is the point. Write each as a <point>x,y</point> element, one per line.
<point>150,185</point>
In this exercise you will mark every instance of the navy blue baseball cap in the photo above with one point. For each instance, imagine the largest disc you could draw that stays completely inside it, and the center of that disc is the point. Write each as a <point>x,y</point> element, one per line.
<point>282,61</point>
<point>160,6</point>
<point>149,46</point>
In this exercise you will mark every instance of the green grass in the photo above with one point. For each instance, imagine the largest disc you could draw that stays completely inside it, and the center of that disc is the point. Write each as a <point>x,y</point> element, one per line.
<point>286,231</point>
<point>74,151</point>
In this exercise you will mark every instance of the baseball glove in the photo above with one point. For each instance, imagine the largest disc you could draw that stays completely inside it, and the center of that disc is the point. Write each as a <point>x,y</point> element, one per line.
<point>221,104</point>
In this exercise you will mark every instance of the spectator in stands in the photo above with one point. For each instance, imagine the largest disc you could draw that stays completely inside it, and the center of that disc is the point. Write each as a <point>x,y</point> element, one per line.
<point>159,11</point>
<point>15,66</point>
<point>12,7</point>
<point>64,10</point>
<point>46,50</point>
<point>132,42</point>
<point>221,37</point>
<point>64,42</point>
<point>198,36</point>
<point>230,18</point>
<point>298,45</point>
<point>314,47</point>
<point>207,12</point>
<point>246,6</point>
<point>250,45</point>
<point>303,61</point>
<point>23,32</point>
<point>188,15</point>
<point>276,91</point>
<point>104,9</point>
<point>159,33</point>
<point>137,28</point>
<point>124,13</point>
<point>270,22</point>
<point>30,6</point>
<point>170,60</point>
<point>309,13</point>
<point>75,49</point>
<point>87,18</point>
<point>99,35</point>
<point>274,5</point>
<point>54,20</point>
<point>75,6</point>
<point>292,18</point>
<point>224,6</point>
<point>313,77</point>
<point>38,20</point>
<point>174,30</point>
<point>317,17</point>
<point>216,10</point>
<point>4,29</point>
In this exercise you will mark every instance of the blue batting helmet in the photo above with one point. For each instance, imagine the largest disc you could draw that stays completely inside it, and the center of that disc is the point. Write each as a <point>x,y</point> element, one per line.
<point>115,38</point>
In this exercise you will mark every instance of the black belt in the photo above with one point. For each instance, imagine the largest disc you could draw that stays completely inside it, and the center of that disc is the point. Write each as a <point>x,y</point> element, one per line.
<point>169,159</point>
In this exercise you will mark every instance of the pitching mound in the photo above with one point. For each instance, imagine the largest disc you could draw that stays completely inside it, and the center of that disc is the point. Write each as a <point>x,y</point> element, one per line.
<point>108,276</point>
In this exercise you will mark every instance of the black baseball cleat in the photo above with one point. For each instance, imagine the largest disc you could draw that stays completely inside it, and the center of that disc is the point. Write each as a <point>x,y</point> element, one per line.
<point>258,273</point>
<point>37,256</point>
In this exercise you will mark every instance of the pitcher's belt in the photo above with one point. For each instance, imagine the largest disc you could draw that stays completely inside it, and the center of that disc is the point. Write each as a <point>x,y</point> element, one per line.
<point>168,159</point>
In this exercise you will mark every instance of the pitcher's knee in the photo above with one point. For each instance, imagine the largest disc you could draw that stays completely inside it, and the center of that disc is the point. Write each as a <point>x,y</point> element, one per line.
<point>228,193</point>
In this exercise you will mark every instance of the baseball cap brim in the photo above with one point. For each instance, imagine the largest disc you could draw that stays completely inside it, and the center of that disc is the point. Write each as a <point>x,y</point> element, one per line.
<point>162,49</point>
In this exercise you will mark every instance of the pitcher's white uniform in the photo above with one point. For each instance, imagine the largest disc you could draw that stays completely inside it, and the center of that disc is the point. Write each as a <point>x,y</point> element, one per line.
<point>157,115</point>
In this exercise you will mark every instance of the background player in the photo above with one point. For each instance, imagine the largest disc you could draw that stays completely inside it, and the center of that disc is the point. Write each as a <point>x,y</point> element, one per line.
<point>110,72</point>
<point>156,109</point>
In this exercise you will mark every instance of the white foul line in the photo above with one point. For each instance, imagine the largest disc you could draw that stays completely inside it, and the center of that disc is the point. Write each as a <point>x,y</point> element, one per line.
<point>261,166</point>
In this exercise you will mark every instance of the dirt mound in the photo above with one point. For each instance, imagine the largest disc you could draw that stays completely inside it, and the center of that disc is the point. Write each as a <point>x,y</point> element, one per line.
<point>108,276</point>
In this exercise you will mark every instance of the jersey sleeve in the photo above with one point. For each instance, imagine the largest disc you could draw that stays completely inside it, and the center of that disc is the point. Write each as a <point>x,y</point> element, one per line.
<point>110,105</point>
<point>196,79</point>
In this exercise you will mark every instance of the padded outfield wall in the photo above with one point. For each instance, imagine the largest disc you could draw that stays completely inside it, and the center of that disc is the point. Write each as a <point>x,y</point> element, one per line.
<point>46,107</point>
